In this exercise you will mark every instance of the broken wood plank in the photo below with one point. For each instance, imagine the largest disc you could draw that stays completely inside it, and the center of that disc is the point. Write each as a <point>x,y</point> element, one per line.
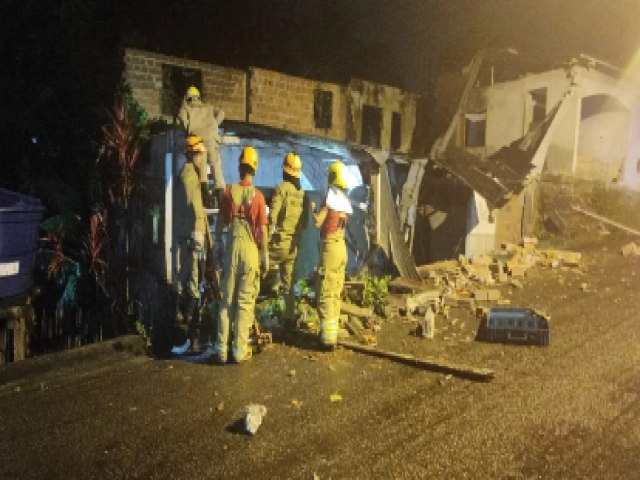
<point>409,284</point>
<point>356,311</point>
<point>605,220</point>
<point>464,371</point>
<point>355,328</point>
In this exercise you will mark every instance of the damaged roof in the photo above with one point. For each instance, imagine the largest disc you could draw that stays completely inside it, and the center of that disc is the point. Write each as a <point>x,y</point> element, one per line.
<point>502,174</point>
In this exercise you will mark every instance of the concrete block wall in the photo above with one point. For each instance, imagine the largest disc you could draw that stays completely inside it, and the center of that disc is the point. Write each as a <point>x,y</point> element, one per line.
<point>389,100</point>
<point>222,86</point>
<point>287,102</point>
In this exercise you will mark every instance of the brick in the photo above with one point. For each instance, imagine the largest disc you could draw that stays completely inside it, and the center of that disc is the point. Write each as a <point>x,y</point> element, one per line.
<point>481,295</point>
<point>518,270</point>
<point>493,295</point>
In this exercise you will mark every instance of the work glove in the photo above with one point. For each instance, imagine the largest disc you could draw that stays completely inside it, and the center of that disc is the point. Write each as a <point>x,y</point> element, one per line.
<point>264,264</point>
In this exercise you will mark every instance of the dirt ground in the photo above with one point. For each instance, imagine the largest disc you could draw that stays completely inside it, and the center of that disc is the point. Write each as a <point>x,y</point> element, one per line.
<point>569,410</point>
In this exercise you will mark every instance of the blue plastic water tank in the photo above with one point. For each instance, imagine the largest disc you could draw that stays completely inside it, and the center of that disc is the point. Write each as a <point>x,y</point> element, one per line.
<point>19,219</point>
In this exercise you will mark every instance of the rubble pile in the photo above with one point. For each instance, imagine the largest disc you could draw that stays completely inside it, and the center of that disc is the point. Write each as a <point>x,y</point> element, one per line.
<point>475,283</point>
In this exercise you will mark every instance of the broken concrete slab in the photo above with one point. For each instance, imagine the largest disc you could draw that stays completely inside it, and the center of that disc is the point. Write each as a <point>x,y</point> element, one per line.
<point>422,299</point>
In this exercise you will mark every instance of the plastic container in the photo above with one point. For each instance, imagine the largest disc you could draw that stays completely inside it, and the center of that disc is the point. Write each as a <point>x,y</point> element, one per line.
<point>19,220</point>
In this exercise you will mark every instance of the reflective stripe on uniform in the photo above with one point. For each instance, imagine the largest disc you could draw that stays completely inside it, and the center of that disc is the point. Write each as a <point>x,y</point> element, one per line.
<point>329,331</point>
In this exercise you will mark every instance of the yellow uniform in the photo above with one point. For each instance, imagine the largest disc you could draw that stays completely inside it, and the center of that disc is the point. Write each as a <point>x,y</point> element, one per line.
<point>198,119</point>
<point>191,231</point>
<point>285,218</point>
<point>243,209</point>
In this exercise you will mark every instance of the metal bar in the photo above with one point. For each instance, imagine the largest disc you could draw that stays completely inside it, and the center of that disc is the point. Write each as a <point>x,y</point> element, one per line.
<point>605,220</point>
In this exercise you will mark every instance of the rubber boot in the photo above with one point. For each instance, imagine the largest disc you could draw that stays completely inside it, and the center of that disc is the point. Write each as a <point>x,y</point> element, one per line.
<point>192,315</point>
<point>186,306</point>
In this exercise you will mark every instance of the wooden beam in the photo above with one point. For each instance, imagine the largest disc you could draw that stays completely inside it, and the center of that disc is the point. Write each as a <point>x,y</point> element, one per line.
<point>428,363</point>
<point>356,311</point>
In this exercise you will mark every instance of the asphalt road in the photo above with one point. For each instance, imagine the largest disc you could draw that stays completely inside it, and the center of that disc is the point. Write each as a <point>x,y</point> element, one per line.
<point>571,410</point>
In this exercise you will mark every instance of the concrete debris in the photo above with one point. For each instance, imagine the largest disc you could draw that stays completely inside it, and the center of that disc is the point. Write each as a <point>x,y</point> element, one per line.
<point>631,249</point>
<point>467,282</point>
<point>254,414</point>
<point>487,295</point>
<point>429,297</point>
<point>426,329</point>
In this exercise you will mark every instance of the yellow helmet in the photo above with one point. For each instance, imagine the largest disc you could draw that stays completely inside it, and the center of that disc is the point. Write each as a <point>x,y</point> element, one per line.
<point>249,156</point>
<point>292,164</point>
<point>337,175</point>
<point>192,91</point>
<point>193,144</point>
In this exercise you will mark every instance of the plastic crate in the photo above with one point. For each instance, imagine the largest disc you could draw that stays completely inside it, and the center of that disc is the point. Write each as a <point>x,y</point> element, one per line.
<point>20,217</point>
<point>515,325</point>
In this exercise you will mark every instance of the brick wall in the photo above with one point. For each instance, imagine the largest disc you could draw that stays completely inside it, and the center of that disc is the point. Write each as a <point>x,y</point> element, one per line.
<point>287,102</point>
<point>221,86</point>
<point>276,99</point>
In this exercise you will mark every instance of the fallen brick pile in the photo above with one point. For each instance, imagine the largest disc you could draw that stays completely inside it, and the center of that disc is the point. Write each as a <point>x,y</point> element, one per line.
<point>475,283</point>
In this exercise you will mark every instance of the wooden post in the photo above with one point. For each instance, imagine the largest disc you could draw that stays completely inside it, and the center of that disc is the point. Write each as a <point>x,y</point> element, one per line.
<point>463,371</point>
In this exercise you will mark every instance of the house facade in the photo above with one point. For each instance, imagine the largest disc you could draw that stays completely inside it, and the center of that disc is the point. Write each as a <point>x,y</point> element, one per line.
<point>577,122</point>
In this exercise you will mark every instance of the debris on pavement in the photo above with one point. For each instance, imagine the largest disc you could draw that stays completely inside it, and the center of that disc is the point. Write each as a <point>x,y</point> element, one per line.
<point>253,417</point>
<point>335,397</point>
<point>631,249</point>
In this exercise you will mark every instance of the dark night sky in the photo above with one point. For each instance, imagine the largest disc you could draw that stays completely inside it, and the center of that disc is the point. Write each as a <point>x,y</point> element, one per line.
<point>393,41</point>
<point>62,58</point>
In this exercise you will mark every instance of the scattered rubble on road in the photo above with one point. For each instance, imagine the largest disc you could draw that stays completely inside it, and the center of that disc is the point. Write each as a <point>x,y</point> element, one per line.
<point>254,414</point>
<point>476,282</point>
<point>631,249</point>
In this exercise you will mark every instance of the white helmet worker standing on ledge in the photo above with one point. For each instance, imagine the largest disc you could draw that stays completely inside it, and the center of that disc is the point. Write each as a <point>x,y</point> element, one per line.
<point>197,118</point>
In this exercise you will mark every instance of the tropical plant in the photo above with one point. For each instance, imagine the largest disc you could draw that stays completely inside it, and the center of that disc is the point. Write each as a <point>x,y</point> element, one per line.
<point>119,153</point>
<point>375,293</point>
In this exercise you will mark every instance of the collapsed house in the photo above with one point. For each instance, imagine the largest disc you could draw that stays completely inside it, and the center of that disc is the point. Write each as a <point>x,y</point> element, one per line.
<point>508,125</point>
<point>366,125</point>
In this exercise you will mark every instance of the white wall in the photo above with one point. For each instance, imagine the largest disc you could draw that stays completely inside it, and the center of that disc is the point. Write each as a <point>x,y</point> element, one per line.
<point>509,106</point>
<point>602,145</point>
<point>576,146</point>
<point>481,236</point>
<point>561,154</point>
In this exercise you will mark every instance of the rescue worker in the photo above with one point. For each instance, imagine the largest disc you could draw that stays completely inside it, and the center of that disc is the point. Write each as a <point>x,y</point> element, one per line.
<point>198,118</point>
<point>286,225</point>
<point>191,231</point>
<point>332,220</point>
<point>243,210</point>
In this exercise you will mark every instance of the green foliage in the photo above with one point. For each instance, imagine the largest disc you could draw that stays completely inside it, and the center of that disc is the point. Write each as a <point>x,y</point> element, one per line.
<point>302,288</point>
<point>270,310</point>
<point>142,331</point>
<point>375,293</point>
